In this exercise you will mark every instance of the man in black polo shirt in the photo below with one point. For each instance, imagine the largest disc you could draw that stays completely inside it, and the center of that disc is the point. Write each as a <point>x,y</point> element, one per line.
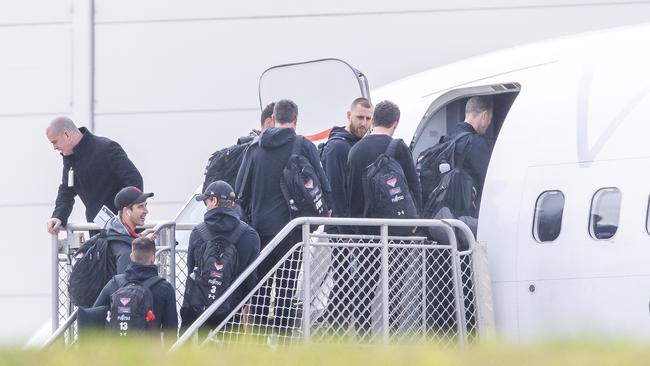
<point>478,117</point>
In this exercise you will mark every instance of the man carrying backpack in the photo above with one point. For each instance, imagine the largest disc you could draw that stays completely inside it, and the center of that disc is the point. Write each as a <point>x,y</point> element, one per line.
<point>334,153</point>
<point>478,117</point>
<point>220,249</point>
<point>382,183</point>
<point>362,155</point>
<point>131,204</point>
<point>224,164</point>
<point>139,299</point>
<point>109,252</point>
<point>275,198</point>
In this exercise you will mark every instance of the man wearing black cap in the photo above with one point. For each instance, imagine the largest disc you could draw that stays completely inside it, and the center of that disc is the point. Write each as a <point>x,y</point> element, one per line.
<point>131,204</point>
<point>221,224</point>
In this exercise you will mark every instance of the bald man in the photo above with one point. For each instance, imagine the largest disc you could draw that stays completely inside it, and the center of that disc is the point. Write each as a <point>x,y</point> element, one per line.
<point>95,168</point>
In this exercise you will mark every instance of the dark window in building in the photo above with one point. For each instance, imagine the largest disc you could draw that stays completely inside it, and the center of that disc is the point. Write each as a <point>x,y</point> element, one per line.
<point>547,222</point>
<point>605,212</point>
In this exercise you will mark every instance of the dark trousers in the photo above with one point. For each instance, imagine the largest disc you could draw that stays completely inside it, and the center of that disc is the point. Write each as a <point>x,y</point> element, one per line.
<point>285,310</point>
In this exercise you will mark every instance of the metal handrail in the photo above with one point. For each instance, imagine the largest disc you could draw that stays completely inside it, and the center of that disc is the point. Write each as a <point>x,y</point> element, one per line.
<point>60,330</point>
<point>169,227</point>
<point>306,221</point>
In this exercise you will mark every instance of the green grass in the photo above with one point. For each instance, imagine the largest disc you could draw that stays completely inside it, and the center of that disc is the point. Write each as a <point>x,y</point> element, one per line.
<point>141,353</point>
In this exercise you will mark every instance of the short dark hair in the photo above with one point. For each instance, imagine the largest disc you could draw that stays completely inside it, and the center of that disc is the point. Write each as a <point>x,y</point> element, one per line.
<point>386,112</point>
<point>142,250</point>
<point>267,112</point>
<point>285,111</point>
<point>365,103</point>
<point>478,104</point>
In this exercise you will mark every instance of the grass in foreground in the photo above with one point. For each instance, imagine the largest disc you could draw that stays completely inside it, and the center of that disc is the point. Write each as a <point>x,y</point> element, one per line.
<point>112,353</point>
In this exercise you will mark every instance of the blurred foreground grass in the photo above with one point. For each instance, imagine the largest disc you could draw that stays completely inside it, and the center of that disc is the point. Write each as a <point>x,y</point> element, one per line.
<point>116,353</point>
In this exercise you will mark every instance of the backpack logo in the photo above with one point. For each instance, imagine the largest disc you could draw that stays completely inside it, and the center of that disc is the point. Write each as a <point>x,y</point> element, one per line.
<point>394,191</point>
<point>392,181</point>
<point>309,184</point>
<point>218,266</point>
<point>125,300</point>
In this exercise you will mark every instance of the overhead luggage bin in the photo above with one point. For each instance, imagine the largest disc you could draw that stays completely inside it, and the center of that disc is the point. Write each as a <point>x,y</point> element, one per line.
<point>323,90</point>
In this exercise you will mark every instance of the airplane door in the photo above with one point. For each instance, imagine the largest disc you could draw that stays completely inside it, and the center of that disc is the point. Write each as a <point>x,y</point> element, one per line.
<point>322,89</point>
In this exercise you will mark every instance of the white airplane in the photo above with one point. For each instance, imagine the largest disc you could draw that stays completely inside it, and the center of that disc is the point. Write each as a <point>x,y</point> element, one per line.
<point>564,212</point>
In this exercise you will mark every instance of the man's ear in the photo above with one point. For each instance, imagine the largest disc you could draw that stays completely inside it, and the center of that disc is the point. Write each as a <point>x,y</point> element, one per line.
<point>349,113</point>
<point>131,256</point>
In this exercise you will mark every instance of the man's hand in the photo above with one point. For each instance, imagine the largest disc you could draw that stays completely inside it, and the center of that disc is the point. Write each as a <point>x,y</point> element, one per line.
<point>53,226</point>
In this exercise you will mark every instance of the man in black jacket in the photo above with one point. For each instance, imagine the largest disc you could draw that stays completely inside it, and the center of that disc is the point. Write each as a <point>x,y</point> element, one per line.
<point>95,168</point>
<point>337,147</point>
<point>365,152</point>
<point>335,159</point>
<point>143,267</point>
<point>131,204</point>
<point>384,122</point>
<point>478,117</point>
<point>221,219</point>
<point>268,208</point>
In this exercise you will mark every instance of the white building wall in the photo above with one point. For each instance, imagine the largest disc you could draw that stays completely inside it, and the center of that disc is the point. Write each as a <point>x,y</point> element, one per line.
<point>173,80</point>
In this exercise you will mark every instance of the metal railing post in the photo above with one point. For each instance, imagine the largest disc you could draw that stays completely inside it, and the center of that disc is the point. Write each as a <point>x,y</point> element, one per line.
<point>385,323</point>
<point>306,303</point>
<point>55,281</point>
<point>171,236</point>
<point>459,300</point>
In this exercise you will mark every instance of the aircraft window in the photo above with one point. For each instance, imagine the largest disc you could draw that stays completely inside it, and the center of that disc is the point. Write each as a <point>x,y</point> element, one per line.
<point>605,211</point>
<point>547,223</point>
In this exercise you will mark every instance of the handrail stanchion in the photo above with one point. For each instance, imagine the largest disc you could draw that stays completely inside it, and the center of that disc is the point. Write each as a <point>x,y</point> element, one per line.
<point>172,254</point>
<point>385,323</point>
<point>459,300</point>
<point>55,282</point>
<point>306,303</point>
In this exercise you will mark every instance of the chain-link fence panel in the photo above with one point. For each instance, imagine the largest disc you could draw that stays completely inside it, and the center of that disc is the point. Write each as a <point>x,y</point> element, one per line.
<point>341,289</point>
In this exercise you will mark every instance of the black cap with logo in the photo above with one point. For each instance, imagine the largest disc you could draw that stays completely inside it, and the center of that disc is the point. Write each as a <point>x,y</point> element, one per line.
<point>219,189</point>
<point>129,196</point>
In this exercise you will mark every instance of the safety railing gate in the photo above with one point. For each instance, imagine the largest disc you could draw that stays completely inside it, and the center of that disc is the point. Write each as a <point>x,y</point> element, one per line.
<point>327,287</point>
<point>346,287</point>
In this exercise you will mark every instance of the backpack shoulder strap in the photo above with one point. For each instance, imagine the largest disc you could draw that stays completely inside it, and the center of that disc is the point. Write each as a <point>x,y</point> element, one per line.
<point>237,233</point>
<point>120,279</point>
<point>297,145</point>
<point>204,232</point>
<point>466,149</point>
<point>391,150</point>
<point>461,135</point>
<point>152,281</point>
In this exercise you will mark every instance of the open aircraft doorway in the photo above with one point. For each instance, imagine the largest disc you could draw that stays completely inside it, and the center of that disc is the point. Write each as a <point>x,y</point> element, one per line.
<point>323,90</point>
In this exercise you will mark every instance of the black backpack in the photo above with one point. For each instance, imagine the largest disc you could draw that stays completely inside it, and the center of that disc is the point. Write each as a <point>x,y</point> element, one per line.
<point>457,192</point>
<point>217,263</point>
<point>322,145</point>
<point>429,161</point>
<point>224,164</point>
<point>131,310</point>
<point>386,190</point>
<point>93,268</point>
<point>300,185</point>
